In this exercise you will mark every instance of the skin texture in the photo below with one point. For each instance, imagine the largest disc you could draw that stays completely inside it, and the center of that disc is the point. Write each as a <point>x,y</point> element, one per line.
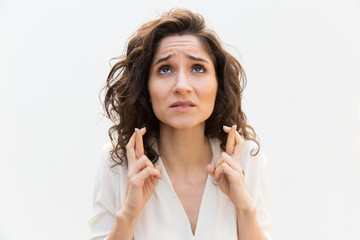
<point>142,179</point>
<point>142,175</point>
<point>181,77</point>
<point>228,173</point>
<point>182,70</point>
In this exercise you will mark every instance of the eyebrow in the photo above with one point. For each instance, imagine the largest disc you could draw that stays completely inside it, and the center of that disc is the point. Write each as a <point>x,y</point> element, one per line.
<point>163,59</point>
<point>197,59</point>
<point>189,56</point>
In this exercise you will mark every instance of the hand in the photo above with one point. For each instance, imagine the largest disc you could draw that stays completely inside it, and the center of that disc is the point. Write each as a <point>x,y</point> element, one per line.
<point>228,173</point>
<point>142,176</point>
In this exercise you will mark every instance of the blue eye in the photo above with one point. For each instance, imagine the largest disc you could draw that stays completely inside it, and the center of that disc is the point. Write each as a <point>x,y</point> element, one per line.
<point>164,69</point>
<point>199,68</point>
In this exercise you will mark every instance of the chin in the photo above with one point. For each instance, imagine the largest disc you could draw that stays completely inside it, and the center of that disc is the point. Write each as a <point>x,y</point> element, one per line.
<point>184,123</point>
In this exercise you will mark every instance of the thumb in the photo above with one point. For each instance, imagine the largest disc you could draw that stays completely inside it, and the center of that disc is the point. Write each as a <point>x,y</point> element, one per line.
<point>211,169</point>
<point>159,168</point>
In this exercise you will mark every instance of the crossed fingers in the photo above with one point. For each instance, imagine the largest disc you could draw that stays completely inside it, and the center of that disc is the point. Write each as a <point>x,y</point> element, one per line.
<point>226,165</point>
<point>234,143</point>
<point>135,146</point>
<point>229,161</point>
<point>137,161</point>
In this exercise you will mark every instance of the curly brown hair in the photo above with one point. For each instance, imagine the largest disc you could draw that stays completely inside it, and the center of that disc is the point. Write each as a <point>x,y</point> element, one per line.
<point>127,96</point>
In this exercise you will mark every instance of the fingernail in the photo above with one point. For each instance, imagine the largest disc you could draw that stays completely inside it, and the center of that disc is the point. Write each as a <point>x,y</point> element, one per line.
<point>226,127</point>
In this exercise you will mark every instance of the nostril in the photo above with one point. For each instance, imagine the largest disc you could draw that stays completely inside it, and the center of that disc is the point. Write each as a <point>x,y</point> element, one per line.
<point>182,84</point>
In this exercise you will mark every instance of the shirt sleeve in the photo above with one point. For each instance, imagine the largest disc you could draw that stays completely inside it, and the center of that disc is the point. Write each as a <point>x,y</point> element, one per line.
<point>262,202</point>
<point>104,199</point>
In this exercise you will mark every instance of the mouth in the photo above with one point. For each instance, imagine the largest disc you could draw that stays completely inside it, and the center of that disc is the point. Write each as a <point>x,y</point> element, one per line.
<point>186,103</point>
<point>182,105</point>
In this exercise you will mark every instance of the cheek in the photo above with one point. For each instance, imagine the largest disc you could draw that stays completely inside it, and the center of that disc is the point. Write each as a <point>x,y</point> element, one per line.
<point>156,92</point>
<point>157,97</point>
<point>212,90</point>
<point>152,89</point>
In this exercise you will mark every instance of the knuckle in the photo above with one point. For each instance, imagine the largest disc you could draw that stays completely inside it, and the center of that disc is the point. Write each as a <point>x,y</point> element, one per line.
<point>147,169</point>
<point>142,158</point>
<point>140,161</point>
<point>220,167</point>
<point>224,155</point>
<point>147,160</point>
<point>132,181</point>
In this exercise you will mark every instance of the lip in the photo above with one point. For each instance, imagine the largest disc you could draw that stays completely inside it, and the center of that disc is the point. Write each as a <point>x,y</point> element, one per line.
<point>183,106</point>
<point>183,103</point>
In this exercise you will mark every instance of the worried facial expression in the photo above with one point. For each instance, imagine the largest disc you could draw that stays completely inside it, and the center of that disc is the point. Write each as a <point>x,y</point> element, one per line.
<point>182,82</point>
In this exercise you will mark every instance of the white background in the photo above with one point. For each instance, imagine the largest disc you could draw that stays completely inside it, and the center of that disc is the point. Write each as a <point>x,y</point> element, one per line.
<point>302,59</point>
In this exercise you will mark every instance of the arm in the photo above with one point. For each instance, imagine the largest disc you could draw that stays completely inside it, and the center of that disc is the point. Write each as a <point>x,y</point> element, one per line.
<point>124,226</point>
<point>256,217</point>
<point>142,178</point>
<point>229,176</point>
<point>248,226</point>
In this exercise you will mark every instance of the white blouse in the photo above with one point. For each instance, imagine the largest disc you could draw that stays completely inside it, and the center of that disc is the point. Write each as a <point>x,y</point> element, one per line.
<point>163,216</point>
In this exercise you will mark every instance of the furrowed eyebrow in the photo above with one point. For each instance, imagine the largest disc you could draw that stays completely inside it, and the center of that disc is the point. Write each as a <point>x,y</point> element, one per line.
<point>189,56</point>
<point>197,59</point>
<point>163,59</point>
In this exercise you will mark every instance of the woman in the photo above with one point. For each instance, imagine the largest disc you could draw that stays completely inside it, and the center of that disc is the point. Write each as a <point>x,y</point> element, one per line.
<point>182,163</point>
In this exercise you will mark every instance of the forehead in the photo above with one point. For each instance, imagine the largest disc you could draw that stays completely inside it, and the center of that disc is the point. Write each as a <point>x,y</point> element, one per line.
<point>186,43</point>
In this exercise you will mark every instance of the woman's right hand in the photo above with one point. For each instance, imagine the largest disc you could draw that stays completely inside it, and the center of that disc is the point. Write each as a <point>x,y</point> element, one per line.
<point>142,176</point>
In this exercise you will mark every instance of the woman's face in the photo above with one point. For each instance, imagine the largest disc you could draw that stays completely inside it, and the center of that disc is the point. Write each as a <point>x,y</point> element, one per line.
<point>182,82</point>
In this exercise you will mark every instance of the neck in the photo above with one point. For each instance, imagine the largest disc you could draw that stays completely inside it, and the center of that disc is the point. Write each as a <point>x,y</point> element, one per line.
<point>183,151</point>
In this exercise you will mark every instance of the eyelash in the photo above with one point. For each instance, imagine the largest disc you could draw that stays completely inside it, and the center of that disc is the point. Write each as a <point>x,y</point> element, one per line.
<point>162,67</point>
<point>195,66</point>
<point>201,66</point>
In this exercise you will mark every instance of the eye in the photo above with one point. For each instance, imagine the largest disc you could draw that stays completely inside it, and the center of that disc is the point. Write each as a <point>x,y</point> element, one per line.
<point>164,69</point>
<point>199,68</point>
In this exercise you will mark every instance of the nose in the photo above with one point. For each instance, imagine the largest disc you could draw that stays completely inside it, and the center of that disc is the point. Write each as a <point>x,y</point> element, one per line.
<point>182,83</point>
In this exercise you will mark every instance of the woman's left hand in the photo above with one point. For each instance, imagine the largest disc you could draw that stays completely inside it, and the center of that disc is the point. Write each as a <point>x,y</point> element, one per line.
<point>228,173</point>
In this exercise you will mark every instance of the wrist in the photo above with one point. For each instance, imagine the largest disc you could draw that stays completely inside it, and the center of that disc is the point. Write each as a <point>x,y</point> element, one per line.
<point>124,215</point>
<point>246,209</point>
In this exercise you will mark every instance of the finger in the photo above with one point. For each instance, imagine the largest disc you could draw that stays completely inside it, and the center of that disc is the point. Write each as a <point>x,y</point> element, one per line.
<point>140,164</point>
<point>224,157</point>
<point>211,169</point>
<point>228,129</point>
<point>224,169</point>
<point>219,171</point>
<point>154,180</point>
<point>130,150</point>
<point>159,168</point>
<point>147,172</point>
<point>230,142</point>
<point>139,146</point>
<point>239,146</point>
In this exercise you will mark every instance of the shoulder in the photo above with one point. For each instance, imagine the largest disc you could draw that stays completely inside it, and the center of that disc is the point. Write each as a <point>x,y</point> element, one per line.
<point>257,163</point>
<point>109,179</point>
<point>107,164</point>
<point>259,159</point>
